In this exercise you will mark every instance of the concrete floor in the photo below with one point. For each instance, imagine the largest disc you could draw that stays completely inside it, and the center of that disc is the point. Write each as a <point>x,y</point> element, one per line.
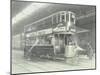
<point>21,65</point>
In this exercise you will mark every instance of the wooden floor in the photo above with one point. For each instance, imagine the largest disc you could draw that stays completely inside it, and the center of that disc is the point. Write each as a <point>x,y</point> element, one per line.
<point>21,65</point>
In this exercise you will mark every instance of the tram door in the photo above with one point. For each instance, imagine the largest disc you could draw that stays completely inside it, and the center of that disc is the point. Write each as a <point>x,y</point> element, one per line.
<point>59,43</point>
<point>69,45</point>
<point>62,43</point>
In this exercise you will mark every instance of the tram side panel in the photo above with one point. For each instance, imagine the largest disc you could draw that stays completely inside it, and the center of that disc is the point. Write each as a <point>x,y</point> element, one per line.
<point>39,51</point>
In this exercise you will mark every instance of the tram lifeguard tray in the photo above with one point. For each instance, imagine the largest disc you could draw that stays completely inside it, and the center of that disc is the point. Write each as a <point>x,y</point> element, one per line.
<point>52,37</point>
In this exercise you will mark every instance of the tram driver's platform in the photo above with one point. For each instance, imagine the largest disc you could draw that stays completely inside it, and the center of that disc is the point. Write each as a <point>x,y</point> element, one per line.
<point>21,65</point>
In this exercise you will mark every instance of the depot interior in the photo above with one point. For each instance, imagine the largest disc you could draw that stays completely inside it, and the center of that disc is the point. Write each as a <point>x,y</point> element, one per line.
<point>25,14</point>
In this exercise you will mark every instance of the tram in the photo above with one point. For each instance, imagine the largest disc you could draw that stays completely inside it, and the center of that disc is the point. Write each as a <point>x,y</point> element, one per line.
<point>53,36</point>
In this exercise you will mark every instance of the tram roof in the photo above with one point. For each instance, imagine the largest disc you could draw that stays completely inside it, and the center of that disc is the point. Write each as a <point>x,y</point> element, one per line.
<point>50,17</point>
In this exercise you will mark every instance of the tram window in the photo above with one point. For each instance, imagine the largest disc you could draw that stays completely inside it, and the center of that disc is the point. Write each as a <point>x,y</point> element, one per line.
<point>58,18</point>
<point>72,18</point>
<point>55,20</point>
<point>63,18</point>
<point>67,17</point>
